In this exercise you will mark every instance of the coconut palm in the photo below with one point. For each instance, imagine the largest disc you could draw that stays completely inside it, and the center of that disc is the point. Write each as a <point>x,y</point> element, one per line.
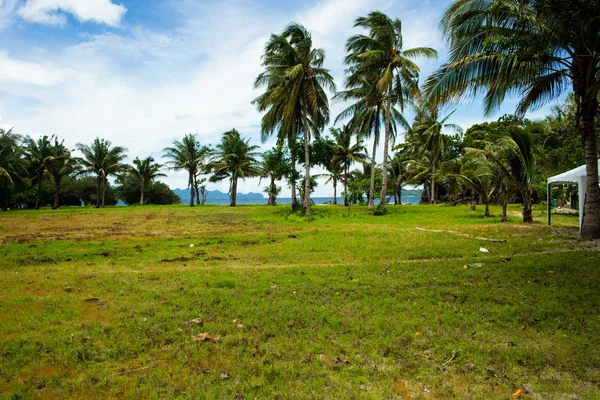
<point>367,115</point>
<point>432,130</point>
<point>380,56</point>
<point>275,166</point>
<point>187,154</point>
<point>234,158</point>
<point>145,172</point>
<point>101,159</point>
<point>39,154</point>
<point>295,99</point>
<point>61,165</point>
<point>536,48</point>
<point>12,164</point>
<point>345,153</point>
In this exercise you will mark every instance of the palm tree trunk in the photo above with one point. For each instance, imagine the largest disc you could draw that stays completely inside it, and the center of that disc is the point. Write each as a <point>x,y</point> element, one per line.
<point>372,183</point>
<point>197,190</point>
<point>56,193</point>
<point>306,200</point>
<point>104,186</point>
<point>400,194</point>
<point>591,222</point>
<point>192,191</point>
<point>37,195</point>
<point>487,209</point>
<point>334,191</point>
<point>473,201</point>
<point>142,193</point>
<point>504,218</point>
<point>99,182</point>
<point>388,111</point>
<point>292,145</point>
<point>432,199</point>
<point>203,191</point>
<point>527,211</point>
<point>346,167</point>
<point>233,190</point>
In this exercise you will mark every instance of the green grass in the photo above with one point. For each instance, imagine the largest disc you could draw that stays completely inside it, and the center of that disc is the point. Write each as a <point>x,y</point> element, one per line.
<point>338,305</point>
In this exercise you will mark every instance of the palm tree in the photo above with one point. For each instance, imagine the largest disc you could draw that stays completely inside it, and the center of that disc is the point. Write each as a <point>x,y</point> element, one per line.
<point>187,155</point>
<point>234,158</point>
<point>430,129</point>
<point>61,165</point>
<point>398,174</point>
<point>345,153</point>
<point>39,154</point>
<point>379,55</point>
<point>295,98</point>
<point>12,164</point>
<point>367,115</point>
<point>536,48</point>
<point>275,166</point>
<point>145,172</point>
<point>102,160</point>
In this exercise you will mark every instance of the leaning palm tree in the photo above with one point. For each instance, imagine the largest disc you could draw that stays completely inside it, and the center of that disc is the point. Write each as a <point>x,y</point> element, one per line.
<point>145,172</point>
<point>345,153</point>
<point>367,115</point>
<point>538,48</point>
<point>432,130</point>
<point>101,159</point>
<point>39,155</point>
<point>187,155</point>
<point>61,165</point>
<point>379,56</point>
<point>295,99</point>
<point>234,158</point>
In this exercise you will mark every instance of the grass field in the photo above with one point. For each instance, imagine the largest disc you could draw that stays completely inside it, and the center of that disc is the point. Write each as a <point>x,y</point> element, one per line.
<point>105,303</point>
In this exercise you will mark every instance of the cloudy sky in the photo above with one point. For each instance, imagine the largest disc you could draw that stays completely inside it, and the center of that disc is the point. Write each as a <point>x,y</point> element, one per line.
<point>143,73</point>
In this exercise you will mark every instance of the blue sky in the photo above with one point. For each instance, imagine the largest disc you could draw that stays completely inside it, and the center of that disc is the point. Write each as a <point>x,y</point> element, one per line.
<point>143,73</point>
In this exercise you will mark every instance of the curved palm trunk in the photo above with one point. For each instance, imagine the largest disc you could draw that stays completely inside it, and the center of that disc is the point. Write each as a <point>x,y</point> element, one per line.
<point>388,111</point>
<point>37,195</point>
<point>372,183</point>
<point>306,199</point>
<point>56,193</point>
<point>334,191</point>
<point>192,191</point>
<point>233,190</point>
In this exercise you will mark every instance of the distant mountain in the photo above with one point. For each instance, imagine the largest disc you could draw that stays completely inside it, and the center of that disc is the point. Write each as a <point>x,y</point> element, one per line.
<point>217,195</point>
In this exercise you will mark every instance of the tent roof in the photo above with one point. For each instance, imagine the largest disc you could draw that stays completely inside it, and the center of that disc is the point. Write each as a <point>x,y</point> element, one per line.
<point>572,176</point>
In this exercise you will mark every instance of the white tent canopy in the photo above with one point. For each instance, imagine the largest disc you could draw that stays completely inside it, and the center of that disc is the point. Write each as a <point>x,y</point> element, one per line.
<point>574,176</point>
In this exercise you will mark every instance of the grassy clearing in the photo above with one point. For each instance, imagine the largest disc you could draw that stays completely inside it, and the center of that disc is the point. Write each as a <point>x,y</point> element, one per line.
<point>98,303</point>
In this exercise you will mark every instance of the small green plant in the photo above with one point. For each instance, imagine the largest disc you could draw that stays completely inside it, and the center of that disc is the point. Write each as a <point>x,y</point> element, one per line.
<point>380,210</point>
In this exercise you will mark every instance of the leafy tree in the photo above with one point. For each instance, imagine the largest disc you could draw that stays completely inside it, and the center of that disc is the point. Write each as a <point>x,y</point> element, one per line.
<point>12,164</point>
<point>275,166</point>
<point>102,160</point>
<point>534,47</point>
<point>234,158</point>
<point>295,99</point>
<point>187,155</point>
<point>345,153</point>
<point>60,165</point>
<point>379,55</point>
<point>144,173</point>
<point>39,154</point>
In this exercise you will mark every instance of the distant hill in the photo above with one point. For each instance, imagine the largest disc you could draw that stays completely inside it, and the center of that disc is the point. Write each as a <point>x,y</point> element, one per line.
<point>217,195</point>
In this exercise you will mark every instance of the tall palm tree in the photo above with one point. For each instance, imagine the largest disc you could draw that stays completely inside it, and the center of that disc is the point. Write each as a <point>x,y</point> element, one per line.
<point>367,115</point>
<point>347,153</point>
<point>537,48</point>
<point>234,158</point>
<point>275,166</point>
<point>12,163</point>
<point>145,172</point>
<point>380,55</point>
<point>187,155</point>
<point>61,165</point>
<point>431,130</point>
<point>101,159</point>
<point>39,154</point>
<point>295,99</point>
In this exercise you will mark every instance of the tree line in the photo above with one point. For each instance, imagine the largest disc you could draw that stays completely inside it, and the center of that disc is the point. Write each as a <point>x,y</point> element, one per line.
<point>534,48</point>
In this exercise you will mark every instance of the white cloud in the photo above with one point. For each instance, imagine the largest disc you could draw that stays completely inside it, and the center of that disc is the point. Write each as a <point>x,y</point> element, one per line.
<point>51,12</point>
<point>7,8</point>
<point>12,70</point>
